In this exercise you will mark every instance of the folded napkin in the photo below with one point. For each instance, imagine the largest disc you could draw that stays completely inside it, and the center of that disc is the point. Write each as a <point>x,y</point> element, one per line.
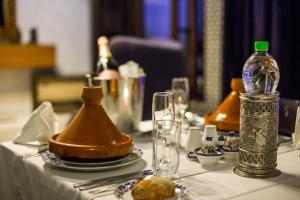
<point>42,123</point>
<point>296,134</point>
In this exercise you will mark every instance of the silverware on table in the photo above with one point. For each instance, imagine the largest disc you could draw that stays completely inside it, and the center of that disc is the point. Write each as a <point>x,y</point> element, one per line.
<point>31,155</point>
<point>112,180</point>
<point>107,188</point>
<point>104,193</point>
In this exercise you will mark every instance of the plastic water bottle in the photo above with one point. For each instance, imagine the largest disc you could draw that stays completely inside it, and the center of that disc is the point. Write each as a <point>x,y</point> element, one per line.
<point>261,72</point>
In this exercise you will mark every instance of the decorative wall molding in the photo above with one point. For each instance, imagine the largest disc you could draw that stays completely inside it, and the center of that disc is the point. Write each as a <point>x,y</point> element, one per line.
<point>213,52</point>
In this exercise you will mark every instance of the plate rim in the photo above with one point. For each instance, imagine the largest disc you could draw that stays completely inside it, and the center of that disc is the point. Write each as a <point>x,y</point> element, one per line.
<point>58,163</point>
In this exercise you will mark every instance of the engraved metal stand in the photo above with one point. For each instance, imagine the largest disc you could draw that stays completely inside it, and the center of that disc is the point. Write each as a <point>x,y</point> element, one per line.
<point>258,131</point>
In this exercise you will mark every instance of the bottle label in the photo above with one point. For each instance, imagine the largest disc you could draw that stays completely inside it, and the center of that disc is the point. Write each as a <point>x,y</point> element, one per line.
<point>248,79</point>
<point>247,74</point>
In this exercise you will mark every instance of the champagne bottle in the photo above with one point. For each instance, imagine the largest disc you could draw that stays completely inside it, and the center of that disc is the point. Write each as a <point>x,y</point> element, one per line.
<point>106,66</point>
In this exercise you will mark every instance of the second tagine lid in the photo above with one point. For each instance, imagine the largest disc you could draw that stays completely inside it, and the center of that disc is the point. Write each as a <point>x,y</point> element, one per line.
<point>227,116</point>
<point>91,134</point>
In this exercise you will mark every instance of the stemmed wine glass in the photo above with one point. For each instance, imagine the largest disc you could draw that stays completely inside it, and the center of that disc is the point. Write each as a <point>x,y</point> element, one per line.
<point>181,90</point>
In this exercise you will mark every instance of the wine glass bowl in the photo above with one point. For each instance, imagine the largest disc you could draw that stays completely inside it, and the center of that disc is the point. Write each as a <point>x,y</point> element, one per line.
<point>181,90</point>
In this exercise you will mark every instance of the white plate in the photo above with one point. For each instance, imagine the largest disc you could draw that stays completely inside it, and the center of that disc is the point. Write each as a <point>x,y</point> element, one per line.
<point>194,119</point>
<point>123,191</point>
<point>54,160</point>
<point>132,156</point>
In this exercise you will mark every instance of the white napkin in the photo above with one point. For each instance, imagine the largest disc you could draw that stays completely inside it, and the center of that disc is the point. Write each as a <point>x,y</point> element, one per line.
<point>42,123</point>
<point>130,69</point>
<point>296,134</point>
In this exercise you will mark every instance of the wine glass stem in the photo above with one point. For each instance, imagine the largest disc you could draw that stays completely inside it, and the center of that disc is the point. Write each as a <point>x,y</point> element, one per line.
<point>182,115</point>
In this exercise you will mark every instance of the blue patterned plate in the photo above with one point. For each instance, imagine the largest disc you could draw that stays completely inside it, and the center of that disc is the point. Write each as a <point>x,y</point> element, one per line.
<point>57,161</point>
<point>123,191</point>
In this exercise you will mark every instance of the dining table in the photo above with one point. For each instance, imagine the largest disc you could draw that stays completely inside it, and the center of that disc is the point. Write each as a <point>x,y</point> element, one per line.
<point>29,177</point>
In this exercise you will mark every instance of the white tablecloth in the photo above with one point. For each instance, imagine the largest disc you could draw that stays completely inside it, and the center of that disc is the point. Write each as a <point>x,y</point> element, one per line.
<point>31,179</point>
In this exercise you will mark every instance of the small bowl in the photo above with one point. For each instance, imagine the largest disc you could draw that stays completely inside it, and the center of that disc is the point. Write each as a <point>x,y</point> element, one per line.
<point>208,160</point>
<point>192,155</point>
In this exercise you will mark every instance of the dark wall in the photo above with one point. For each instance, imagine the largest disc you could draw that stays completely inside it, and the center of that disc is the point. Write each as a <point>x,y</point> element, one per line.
<point>115,17</point>
<point>1,13</point>
<point>273,20</point>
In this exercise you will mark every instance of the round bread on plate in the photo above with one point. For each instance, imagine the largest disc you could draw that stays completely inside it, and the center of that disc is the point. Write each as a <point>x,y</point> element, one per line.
<point>154,188</point>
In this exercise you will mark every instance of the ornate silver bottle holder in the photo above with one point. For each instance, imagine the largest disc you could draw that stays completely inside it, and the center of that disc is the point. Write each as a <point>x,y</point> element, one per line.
<point>258,136</point>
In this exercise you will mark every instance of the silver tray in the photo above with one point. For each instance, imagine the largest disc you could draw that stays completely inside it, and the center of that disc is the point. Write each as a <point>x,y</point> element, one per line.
<point>123,191</point>
<point>55,160</point>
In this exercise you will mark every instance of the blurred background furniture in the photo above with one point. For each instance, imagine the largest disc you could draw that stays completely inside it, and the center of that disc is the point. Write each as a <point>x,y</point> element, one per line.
<point>27,56</point>
<point>287,115</point>
<point>161,60</point>
<point>178,20</point>
<point>49,86</point>
<point>9,32</point>
<point>18,63</point>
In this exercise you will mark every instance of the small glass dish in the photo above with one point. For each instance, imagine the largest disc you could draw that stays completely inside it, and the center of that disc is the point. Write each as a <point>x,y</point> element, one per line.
<point>210,159</point>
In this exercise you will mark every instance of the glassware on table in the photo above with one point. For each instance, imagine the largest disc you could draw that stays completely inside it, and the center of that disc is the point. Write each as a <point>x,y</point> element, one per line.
<point>181,90</point>
<point>166,148</point>
<point>163,107</point>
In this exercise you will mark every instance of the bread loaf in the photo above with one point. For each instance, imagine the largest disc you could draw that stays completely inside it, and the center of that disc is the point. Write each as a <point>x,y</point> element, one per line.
<point>155,188</point>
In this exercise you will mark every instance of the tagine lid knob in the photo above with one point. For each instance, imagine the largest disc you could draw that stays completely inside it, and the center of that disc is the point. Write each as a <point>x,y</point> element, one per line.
<point>92,95</point>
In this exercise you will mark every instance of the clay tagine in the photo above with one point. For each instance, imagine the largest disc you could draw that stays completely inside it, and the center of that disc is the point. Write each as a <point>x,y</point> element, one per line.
<point>91,134</point>
<point>227,116</point>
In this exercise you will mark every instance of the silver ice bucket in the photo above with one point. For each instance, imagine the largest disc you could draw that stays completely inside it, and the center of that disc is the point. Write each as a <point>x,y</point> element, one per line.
<point>258,136</point>
<point>123,100</point>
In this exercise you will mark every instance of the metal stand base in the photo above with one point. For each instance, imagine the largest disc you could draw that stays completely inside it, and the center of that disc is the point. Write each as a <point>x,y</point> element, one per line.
<point>237,171</point>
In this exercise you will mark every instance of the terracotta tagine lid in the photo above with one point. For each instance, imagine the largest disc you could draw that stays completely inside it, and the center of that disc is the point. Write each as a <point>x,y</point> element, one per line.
<point>91,134</point>
<point>227,115</point>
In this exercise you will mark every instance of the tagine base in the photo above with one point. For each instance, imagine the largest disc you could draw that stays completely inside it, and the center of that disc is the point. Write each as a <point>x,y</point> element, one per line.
<point>74,151</point>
